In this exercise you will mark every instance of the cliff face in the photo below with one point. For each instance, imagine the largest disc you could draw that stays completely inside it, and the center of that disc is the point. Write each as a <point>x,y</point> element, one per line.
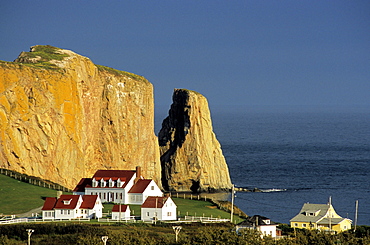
<point>62,118</point>
<point>191,156</point>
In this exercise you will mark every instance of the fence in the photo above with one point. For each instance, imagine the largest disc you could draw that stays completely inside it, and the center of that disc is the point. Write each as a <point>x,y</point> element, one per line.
<point>223,205</point>
<point>203,219</point>
<point>33,180</point>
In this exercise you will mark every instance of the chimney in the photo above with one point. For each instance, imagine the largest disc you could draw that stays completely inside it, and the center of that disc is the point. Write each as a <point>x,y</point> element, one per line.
<point>138,174</point>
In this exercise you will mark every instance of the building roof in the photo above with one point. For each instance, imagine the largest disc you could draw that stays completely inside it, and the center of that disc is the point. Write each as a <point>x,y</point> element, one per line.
<point>124,175</point>
<point>67,202</point>
<point>155,202</point>
<point>116,208</point>
<point>140,186</point>
<point>114,174</point>
<point>88,201</point>
<point>84,182</point>
<point>256,220</point>
<point>49,203</point>
<point>315,213</point>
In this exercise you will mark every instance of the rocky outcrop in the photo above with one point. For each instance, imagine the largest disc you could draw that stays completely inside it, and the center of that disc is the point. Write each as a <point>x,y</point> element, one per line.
<point>63,117</point>
<point>191,156</point>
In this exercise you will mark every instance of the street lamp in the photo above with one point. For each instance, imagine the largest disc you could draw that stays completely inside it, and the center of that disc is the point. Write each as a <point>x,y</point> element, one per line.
<point>177,230</point>
<point>29,231</point>
<point>104,238</point>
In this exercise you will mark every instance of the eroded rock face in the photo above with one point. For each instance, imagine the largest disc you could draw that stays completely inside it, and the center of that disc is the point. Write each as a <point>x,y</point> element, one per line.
<point>62,118</point>
<point>191,156</point>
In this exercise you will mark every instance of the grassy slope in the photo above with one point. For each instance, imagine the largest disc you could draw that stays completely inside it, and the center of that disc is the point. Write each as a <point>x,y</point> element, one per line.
<point>18,197</point>
<point>188,207</point>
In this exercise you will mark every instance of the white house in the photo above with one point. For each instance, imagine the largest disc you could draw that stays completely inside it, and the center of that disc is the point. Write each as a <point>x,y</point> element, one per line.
<point>264,225</point>
<point>72,207</point>
<point>142,189</point>
<point>158,208</point>
<point>122,211</point>
<point>118,186</point>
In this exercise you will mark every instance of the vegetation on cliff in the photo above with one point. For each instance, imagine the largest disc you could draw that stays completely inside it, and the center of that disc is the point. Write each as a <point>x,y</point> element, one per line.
<point>40,57</point>
<point>121,73</point>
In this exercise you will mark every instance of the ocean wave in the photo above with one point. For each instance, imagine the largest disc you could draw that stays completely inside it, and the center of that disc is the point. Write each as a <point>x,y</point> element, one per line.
<point>273,190</point>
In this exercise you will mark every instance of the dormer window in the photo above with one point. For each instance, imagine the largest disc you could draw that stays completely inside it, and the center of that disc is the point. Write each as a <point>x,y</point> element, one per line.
<point>120,183</point>
<point>102,183</point>
<point>67,202</point>
<point>267,221</point>
<point>94,183</point>
<point>111,183</point>
<point>312,213</point>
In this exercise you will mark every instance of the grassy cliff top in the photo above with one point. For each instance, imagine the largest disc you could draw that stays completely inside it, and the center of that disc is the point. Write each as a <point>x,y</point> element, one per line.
<point>40,57</point>
<point>121,73</point>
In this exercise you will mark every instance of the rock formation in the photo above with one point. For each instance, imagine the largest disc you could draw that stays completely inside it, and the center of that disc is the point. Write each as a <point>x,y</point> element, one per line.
<point>62,117</point>
<point>191,156</point>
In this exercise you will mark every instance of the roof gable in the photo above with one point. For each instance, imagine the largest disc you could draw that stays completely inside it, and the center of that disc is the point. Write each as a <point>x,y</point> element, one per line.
<point>89,201</point>
<point>155,202</point>
<point>49,203</point>
<point>123,208</point>
<point>140,186</point>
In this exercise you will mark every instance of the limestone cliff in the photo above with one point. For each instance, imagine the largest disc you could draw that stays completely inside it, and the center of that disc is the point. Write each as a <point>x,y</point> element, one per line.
<point>62,117</point>
<point>191,156</point>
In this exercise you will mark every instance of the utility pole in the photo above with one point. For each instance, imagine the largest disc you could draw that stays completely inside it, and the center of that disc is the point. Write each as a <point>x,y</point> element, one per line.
<point>356,213</point>
<point>330,214</point>
<point>232,204</point>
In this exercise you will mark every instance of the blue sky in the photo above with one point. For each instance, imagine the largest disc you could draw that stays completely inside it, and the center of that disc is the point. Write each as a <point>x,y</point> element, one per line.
<point>248,53</point>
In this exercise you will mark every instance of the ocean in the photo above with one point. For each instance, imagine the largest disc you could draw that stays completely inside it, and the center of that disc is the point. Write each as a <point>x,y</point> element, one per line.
<point>296,156</point>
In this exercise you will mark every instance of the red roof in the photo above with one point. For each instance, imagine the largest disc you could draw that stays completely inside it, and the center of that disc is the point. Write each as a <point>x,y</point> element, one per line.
<point>124,175</point>
<point>116,208</point>
<point>84,182</point>
<point>89,201</point>
<point>67,202</point>
<point>49,203</point>
<point>114,173</point>
<point>150,202</point>
<point>140,186</point>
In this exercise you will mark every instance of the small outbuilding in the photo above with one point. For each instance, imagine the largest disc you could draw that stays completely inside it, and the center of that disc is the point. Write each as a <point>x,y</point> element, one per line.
<point>260,223</point>
<point>121,212</point>
<point>158,208</point>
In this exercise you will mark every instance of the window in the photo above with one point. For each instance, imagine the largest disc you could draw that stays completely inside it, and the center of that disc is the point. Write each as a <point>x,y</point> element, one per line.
<point>304,225</point>
<point>169,214</point>
<point>67,202</point>
<point>152,187</point>
<point>94,183</point>
<point>296,224</point>
<point>147,214</point>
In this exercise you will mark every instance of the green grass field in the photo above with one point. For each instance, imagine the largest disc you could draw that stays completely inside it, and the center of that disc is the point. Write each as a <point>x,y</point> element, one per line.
<point>189,208</point>
<point>17,197</point>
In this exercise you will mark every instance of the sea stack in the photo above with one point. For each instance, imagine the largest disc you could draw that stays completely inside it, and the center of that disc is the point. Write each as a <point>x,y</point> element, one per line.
<point>191,156</point>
